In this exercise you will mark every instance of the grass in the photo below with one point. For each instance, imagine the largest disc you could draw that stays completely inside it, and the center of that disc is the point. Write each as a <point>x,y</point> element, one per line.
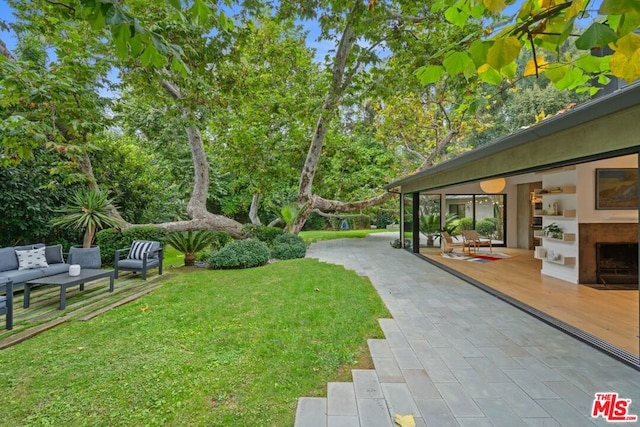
<point>315,235</point>
<point>224,348</point>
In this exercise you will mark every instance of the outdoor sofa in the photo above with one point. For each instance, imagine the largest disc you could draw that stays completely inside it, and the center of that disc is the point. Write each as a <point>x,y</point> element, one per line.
<point>36,260</point>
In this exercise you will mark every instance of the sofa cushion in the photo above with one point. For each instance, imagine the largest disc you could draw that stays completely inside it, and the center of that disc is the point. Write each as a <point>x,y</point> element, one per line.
<point>21,276</point>
<point>53,254</point>
<point>8,259</point>
<point>138,249</point>
<point>33,258</point>
<point>55,269</point>
<point>136,263</point>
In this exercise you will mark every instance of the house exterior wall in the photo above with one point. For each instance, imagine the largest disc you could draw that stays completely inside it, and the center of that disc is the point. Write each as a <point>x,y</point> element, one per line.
<point>579,142</point>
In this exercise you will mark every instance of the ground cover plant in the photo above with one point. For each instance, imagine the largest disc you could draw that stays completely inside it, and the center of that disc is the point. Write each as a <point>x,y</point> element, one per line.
<point>224,348</point>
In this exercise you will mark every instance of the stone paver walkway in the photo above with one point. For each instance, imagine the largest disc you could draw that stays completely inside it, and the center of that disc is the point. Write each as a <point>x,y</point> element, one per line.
<point>457,356</point>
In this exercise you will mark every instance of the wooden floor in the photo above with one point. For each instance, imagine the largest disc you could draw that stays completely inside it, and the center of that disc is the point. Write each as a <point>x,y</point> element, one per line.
<point>611,315</point>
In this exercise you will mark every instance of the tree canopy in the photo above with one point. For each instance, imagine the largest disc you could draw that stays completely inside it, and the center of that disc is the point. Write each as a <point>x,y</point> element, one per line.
<point>223,109</point>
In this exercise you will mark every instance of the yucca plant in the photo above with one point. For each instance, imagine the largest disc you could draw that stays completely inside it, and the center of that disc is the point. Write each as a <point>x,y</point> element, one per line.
<point>87,210</point>
<point>190,243</point>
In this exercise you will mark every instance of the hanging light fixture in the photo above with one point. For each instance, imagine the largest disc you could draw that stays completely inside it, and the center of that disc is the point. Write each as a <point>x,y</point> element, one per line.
<point>493,186</point>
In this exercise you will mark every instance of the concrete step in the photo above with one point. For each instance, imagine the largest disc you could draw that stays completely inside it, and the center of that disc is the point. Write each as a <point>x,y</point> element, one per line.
<point>311,412</point>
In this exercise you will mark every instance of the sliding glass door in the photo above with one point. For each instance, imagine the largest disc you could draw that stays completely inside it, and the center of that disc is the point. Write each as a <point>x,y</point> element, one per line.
<point>482,212</point>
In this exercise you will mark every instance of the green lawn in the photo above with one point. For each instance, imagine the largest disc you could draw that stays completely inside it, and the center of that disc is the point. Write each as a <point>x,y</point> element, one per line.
<point>315,235</point>
<point>223,348</point>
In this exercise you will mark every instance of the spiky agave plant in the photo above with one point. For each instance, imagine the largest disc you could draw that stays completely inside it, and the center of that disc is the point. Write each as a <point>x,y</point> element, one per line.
<point>190,243</point>
<point>87,210</point>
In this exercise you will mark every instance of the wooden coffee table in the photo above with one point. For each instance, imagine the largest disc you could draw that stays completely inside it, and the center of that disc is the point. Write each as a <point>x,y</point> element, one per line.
<point>64,281</point>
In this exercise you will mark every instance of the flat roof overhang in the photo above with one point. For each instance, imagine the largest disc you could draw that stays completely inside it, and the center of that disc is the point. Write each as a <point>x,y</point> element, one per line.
<point>606,126</point>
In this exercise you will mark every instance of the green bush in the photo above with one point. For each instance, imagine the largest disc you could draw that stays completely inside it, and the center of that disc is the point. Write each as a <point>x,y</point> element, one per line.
<point>462,224</point>
<point>315,222</point>
<point>289,246</point>
<point>220,239</point>
<point>241,254</point>
<point>487,227</point>
<point>111,239</point>
<point>261,232</point>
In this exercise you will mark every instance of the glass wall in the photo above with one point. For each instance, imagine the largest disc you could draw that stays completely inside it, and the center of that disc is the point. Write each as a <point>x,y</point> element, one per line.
<point>407,220</point>
<point>482,212</point>
<point>430,223</point>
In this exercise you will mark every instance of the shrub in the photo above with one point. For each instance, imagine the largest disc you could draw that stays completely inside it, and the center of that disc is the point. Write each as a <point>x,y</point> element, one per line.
<point>111,239</point>
<point>383,219</point>
<point>462,224</point>
<point>315,222</point>
<point>220,240</point>
<point>190,242</point>
<point>289,246</point>
<point>241,254</point>
<point>261,232</point>
<point>487,227</point>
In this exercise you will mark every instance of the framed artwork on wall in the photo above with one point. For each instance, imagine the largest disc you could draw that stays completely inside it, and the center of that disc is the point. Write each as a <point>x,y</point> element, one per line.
<point>617,188</point>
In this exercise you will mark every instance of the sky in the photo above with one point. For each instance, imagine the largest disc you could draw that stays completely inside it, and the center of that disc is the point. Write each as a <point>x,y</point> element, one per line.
<point>322,47</point>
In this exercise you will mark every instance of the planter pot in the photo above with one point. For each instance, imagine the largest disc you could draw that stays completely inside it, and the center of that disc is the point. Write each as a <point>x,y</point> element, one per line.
<point>85,257</point>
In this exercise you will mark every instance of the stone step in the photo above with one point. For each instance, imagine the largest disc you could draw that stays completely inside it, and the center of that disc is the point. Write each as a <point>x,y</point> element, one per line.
<point>311,412</point>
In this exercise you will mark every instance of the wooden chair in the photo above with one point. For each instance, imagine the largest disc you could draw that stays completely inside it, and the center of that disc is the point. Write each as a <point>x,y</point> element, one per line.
<point>472,241</point>
<point>448,244</point>
<point>6,301</point>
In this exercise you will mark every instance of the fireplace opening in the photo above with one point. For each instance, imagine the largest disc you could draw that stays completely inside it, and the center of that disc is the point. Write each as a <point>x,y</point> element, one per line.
<point>617,263</point>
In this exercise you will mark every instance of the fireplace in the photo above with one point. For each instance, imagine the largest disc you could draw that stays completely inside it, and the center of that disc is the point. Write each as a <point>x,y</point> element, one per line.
<point>617,263</point>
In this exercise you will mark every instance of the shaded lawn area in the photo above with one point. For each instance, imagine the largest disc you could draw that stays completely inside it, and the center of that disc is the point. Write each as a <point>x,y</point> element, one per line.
<point>315,235</point>
<point>222,348</point>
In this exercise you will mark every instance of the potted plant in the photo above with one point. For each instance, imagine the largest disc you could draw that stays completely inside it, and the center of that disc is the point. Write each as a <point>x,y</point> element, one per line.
<point>86,211</point>
<point>430,227</point>
<point>553,230</point>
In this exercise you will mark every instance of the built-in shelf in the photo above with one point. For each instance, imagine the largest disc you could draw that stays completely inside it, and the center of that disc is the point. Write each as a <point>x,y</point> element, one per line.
<point>565,189</point>
<point>567,213</point>
<point>542,254</point>
<point>566,237</point>
<point>562,260</point>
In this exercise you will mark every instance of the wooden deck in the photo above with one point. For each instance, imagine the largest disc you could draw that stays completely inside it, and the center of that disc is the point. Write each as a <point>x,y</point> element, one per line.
<point>43,313</point>
<point>610,315</point>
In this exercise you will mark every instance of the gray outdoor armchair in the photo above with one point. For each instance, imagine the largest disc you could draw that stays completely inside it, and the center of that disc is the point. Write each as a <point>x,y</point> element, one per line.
<point>142,256</point>
<point>6,301</point>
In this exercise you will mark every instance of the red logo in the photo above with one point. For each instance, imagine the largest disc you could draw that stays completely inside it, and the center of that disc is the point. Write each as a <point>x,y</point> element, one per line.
<point>612,408</point>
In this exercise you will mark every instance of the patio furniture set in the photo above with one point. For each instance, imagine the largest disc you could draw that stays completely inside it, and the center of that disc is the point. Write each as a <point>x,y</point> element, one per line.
<point>37,265</point>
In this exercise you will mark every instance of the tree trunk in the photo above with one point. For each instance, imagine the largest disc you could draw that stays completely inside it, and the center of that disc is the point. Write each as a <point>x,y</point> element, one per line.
<point>336,90</point>
<point>253,210</point>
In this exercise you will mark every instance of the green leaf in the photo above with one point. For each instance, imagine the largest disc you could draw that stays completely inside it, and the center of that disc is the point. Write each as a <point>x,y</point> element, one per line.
<point>503,52</point>
<point>629,22</point>
<point>120,34</point>
<point>200,11</point>
<point>490,76</point>
<point>556,72</point>
<point>176,4</point>
<point>618,7</point>
<point>597,35</point>
<point>478,51</point>
<point>593,64</point>
<point>456,16</point>
<point>430,74</point>
<point>510,70</point>
<point>458,62</point>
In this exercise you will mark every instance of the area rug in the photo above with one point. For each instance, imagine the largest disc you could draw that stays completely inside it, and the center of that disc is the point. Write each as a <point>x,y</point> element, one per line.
<point>477,257</point>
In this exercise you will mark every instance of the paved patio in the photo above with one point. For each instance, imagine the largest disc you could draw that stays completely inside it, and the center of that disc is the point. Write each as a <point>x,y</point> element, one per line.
<point>457,356</point>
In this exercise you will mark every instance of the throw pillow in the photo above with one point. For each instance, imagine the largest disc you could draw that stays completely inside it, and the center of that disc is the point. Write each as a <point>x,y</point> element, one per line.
<point>33,258</point>
<point>53,254</point>
<point>138,249</point>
